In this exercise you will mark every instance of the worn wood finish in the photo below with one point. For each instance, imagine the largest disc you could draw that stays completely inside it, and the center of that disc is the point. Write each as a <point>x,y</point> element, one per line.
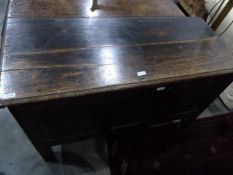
<point>36,35</point>
<point>93,74</point>
<point>67,78</point>
<point>92,61</point>
<point>92,8</point>
<point>83,78</point>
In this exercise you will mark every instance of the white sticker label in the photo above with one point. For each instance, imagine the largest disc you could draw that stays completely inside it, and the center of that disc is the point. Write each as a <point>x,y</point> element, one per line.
<point>161,88</point>
<point>6,96</point>
<point>142,73</point>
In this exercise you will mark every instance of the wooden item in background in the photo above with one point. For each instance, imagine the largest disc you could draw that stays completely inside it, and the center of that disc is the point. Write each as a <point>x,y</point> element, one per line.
<point>193,7</point>
<point>203,148</point>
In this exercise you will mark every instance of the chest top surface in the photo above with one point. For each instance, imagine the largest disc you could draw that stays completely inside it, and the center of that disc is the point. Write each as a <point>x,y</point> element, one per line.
<point>92,8</point>
<point>46,59</point>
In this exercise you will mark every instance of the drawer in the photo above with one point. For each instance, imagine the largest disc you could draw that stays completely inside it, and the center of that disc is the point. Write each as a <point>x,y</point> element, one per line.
<point>165,102</point>
<point>151,103</point>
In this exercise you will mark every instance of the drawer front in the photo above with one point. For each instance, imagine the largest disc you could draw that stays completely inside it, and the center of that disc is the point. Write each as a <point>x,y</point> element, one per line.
<point>87,116</point>
<point>166,102</point>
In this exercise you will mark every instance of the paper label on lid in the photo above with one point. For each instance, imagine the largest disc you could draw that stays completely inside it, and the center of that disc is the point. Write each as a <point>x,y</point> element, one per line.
<point>141,73</point>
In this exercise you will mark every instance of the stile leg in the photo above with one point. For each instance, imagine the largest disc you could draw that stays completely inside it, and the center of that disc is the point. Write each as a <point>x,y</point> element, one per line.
<point>32,130</point>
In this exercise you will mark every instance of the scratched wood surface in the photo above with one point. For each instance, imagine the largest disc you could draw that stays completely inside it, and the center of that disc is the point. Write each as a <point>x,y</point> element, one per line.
<point>92,8</point>
<point>37,35</point>
<point>48,59</point>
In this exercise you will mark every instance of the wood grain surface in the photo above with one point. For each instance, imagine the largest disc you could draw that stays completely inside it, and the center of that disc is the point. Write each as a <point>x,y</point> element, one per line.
<point>54,58</point>
<point>36,35</point>
<point>92,8</point>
